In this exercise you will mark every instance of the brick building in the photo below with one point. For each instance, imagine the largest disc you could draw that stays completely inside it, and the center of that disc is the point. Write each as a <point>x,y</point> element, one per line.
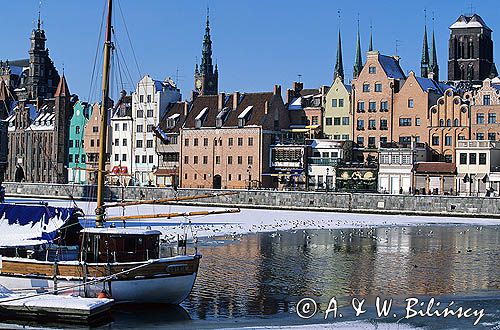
<point>225,140</point>
<point>485,111</point>
<point>91,143</point>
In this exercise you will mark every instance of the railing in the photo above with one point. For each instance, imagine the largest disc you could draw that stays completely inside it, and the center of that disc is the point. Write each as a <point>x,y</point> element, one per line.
<point>323,161</point>
<point>479,144</point>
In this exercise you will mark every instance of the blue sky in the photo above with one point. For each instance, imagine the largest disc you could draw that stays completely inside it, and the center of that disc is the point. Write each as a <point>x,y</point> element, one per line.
<point>256,43</point>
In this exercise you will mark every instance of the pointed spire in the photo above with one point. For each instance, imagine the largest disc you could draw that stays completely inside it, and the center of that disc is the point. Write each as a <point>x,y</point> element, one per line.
<point>62,88</point>
<point>339,65</point>
<point>206,59</point>
<point>358,64</point>
<point>370,47</point>
<point>424,63</point>
<point>39,24</point>
<point>433,63</point>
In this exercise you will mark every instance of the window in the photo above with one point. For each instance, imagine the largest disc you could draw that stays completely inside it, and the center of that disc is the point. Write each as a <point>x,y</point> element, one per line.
<point>461,137</point>
<point>205,160</point>
<point>448,140</point>
<point>186,142</point>
<point>492,118</point>
<point>486,100</point>
<point>371,141</point>
<point>71,143</point>
<point>404,121</point>
<point>149,128</point>
<point>137,159</point>
<point>195,160</point>
<point>250,160</point>
<point>384,105</point>
<point>336,121</point>
<point>435,140</point>
<point>83,158</point>
<point>383,124</point>
<point>328,121</point>
<point>482,158</point>
<point>336,136</point>
<point>149,98</point>
<point>417,121</point>
<point>229,160</point>
<point>205,142</point>
<point>140,113</point>
<point>141,98</point>
<point>345,120</point>
<point>124,142</point>
<point>378,87</point>
<point>314,120</point>
<point>117,142</point>
<point>149,143</point>
<point>334,103</point>
<point>144,159</point>
<point>240,160</point>
<point>186,159</point>
<point>149,113</point>
<point>151,159</point>
<point>406,159</point>
<point>240,141</point>
<point>92,142</point>
<point>410,103</point>
<point>372,70</point>
<point>230,142</point>
<point>124,157</point>
<point>250,141</point>
<point>117,127</point>
<point>195,142</point>
<point>139,128</point>
<point>361,124</point>
<point>366,87</point>
<point>124,126</point>
<point>372,124</point>
<point>480,118</point>
<point>341,103</point>
<point>455,122</point>
<point>492,136</point>
<point>77,129</point>
<point>71,158</point>
<point>217,159</point>
<point>361,106</point>
<point>480,136</point>
<point>372,106</point>
<point>472,158</point>
<point>139,143</point>
<point>463,159</point>
<point>95,129</point>
<point>441,122</point>
<point>384,159</point>
<point>360,140</point>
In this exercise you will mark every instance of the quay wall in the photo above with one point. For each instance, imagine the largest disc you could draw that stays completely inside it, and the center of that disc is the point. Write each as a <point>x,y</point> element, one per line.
<point>269,199</point>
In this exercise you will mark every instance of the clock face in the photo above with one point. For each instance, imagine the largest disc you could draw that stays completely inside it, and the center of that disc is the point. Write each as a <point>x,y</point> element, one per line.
<point>198,83</point>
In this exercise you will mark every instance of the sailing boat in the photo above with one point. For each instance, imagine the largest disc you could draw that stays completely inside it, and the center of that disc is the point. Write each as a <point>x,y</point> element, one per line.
<point>57,254</point>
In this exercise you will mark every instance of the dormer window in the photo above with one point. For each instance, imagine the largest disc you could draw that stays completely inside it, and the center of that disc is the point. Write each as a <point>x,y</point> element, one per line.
<point>221,117</point>
<point>486,99</point>
<point>200,118</point>
<point>245,116</point>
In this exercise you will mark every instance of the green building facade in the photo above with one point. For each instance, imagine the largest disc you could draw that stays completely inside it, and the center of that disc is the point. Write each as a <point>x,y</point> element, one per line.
<point>76,167</point>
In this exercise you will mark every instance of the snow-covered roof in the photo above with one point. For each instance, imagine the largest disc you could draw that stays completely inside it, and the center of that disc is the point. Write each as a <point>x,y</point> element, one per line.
<point>391,67</point>
<point>202,113</point>
<point>296,104</point>
<point>174,116</point>
<point>120,231</point>
<point>468,22</point>
<point>428,84</point>
<point>44,122</point>
<point>326,144</point>
<point>245,112</point>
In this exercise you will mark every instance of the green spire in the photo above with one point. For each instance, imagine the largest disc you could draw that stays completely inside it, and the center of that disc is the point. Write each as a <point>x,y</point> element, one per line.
<point>433,65</point>
<point>424,63</point>
<point>339,65</point>
<point>358,63</point>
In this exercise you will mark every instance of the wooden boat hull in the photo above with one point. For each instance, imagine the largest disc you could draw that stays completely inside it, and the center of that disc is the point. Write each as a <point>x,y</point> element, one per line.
<point>166,280</point>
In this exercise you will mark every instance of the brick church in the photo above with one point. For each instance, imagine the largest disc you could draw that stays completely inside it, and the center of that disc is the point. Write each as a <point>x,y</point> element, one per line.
<point>36,104</point>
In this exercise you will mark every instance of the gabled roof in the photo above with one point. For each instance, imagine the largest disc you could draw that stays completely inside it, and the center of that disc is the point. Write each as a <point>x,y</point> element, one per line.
<point>391,67</point>
<point>468,22</point>
<point>62,88</point>
<point>429,84</point>
<point>257,114</point>
<point>200,103</point>
<point>174,111</point>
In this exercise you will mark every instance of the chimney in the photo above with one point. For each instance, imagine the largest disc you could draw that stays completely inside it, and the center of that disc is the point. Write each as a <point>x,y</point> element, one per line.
<point>297,86</point>
<point>220,101</point>
<point>289,95</point>
<point>324,90</point>
<point>186,109</point>
<point>236,98</point>
<point>266,107</point>
<point>277,90</point>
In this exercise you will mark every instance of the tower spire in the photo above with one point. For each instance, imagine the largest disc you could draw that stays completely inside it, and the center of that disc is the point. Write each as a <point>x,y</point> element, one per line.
<point>433,64</point>
<point>39,23</point>
<point>206,78</point>
<point>358,63</point>
<point>339,65</point>
<point>424,63</point>
<point>370,47</point>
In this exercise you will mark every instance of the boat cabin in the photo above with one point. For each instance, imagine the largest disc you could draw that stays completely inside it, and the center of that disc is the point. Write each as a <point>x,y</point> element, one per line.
<point>111,245</point>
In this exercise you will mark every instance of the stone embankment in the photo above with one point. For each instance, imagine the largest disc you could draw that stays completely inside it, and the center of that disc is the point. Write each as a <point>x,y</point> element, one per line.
<point>270,199</point>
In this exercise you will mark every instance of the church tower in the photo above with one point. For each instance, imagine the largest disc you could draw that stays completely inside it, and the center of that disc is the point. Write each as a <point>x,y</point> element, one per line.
<point>43,77</point>
<point>206,78</point>
<point>470,50</point>
<point>63,111</point>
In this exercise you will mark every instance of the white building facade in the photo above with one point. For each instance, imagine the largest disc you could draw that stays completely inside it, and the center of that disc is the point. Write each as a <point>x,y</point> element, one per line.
<point>478,168</point>
<point>149,103</point>
<point>121,161</point>
<point>396,168</point>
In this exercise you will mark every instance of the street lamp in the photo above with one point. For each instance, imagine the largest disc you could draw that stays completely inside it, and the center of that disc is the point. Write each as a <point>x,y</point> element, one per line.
<point>248,171</point>
<point>326,184</point>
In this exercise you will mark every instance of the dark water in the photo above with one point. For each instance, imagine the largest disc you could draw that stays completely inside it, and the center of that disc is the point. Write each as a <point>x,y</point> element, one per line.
<point>259,279</point>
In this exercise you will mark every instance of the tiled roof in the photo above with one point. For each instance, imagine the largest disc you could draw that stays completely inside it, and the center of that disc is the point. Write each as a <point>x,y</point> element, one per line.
<point>435,168</point>
<point>200,103</point>
<point>174,110</point>
<point>257,116</point>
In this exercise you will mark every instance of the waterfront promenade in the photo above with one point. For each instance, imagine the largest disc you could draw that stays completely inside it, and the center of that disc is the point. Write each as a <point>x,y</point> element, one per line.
<point>456,206</point>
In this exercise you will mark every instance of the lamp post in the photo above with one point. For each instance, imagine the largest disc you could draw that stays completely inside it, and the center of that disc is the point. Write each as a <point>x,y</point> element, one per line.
<point>248,172</point>
<point>326,183</point>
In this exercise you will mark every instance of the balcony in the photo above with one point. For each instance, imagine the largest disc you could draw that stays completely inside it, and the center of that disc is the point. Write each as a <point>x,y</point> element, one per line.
<point>323,161</point>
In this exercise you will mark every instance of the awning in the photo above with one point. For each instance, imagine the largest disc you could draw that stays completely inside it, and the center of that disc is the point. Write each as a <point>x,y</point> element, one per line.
<point>312,126</point>
<point>166,172</point>
<point>119,170</point>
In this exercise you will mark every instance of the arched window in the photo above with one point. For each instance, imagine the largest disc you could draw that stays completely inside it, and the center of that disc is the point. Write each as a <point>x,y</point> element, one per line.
<point>441,122</point>
<point>448,123</point>
<point>455,122</point>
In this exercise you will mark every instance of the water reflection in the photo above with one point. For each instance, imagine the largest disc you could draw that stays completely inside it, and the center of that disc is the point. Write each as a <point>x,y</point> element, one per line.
<point>265,274</point>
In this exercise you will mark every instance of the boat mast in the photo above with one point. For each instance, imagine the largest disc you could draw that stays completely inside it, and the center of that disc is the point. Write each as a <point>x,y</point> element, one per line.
<point>101,174</point>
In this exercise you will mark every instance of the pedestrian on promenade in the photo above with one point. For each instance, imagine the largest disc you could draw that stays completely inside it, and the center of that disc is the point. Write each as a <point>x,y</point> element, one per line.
<point>2,193</point>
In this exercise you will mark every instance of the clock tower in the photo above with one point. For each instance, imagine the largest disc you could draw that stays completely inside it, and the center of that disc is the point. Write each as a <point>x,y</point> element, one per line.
<point>206,77</point>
